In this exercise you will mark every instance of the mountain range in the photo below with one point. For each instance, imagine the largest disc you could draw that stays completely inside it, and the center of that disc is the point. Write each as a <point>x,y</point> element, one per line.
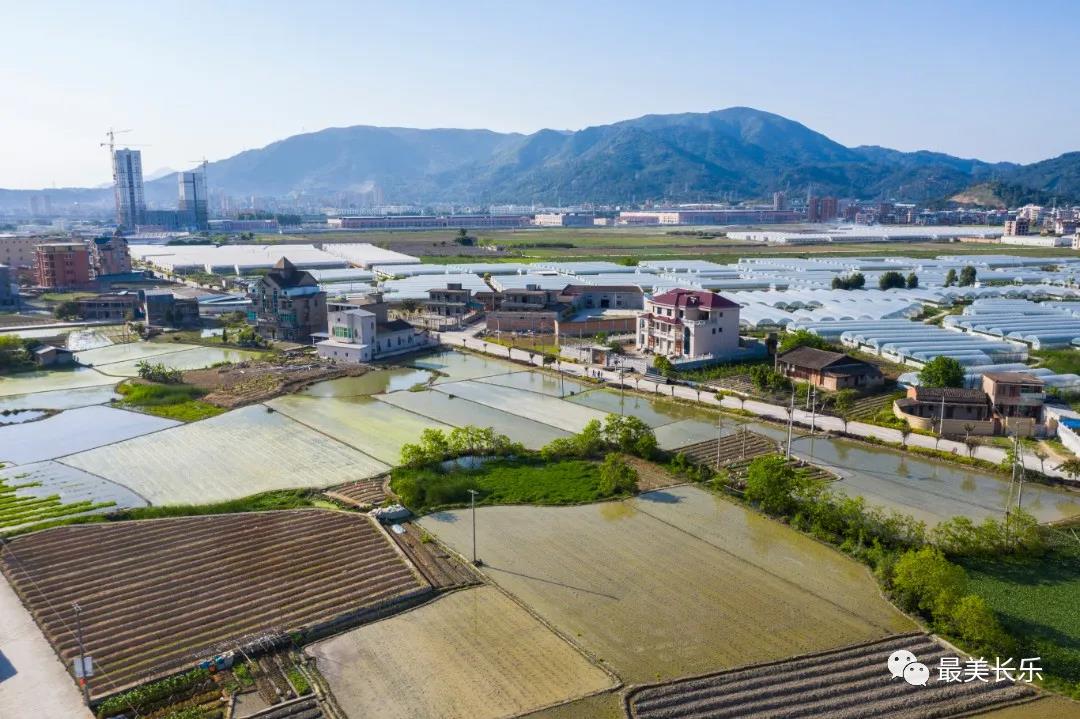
<point>738,153</point>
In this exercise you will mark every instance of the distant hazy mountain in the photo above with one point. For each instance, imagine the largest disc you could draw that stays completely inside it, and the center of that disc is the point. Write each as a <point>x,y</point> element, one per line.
<point>684,157</point>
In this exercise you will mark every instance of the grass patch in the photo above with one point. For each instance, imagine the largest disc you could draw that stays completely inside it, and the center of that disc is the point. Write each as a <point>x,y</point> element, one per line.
<point>65,296</point>
<point>1061,361</point>
<point>264,502</point>
<point>1036,599</point>
<point>507,481</point>
<point>173,401</point>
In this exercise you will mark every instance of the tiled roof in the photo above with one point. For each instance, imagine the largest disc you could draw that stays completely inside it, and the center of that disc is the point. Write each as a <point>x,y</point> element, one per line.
<point>693,298</point>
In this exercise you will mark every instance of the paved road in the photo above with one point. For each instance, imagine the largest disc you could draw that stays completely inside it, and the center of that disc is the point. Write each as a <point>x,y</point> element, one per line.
<point>763,409</point>
<point>33,683</point>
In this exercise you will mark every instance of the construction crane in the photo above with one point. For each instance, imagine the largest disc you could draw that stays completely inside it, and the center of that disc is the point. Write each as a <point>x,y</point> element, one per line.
<point>111,144</point>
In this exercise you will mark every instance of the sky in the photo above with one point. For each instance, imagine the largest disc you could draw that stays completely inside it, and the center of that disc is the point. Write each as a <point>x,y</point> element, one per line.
<point>197,79</point>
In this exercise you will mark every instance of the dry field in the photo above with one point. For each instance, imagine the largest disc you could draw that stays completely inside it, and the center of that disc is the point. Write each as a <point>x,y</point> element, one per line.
<point>363,494</point>
<point>656,599</point>
<point>472,654</point>
<point>849,683</point>
<point>733,448</point>
<point>157,595</point>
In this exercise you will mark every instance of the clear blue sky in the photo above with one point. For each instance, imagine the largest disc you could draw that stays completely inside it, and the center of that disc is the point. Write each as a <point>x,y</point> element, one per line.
<point>194,78</point>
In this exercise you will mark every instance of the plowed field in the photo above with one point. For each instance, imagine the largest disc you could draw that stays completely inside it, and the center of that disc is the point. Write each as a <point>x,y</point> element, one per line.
<point>157,595</point>
<point>849,683</point>
<point>472,654</point>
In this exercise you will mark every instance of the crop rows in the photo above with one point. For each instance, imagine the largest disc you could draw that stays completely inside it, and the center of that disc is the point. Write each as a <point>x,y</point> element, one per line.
<point>364,493</point>
<point>302,708</point>
<point>849,683</point>
<point>733,448</point>
<point>157,595</point>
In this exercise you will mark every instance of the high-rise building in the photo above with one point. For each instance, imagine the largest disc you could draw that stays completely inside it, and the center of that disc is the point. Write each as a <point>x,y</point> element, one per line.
<point>780,201</point>
<point>194,204</point>
<point>128,186</point>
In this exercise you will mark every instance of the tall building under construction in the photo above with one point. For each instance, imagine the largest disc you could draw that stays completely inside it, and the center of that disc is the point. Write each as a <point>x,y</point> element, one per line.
<point>128,187</point>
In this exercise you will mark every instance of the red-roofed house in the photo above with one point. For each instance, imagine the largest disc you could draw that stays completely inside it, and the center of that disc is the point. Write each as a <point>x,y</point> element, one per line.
<point>689,324</point>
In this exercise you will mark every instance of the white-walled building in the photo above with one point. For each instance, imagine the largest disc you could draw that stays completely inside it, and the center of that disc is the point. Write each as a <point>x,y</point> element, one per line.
<point>689,324</point>
<point>358,330</point>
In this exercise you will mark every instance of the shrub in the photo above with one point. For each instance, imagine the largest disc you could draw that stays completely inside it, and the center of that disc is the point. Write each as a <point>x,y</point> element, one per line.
<point>159,373</point>
<point>616,476</point>
<point>772,484</point>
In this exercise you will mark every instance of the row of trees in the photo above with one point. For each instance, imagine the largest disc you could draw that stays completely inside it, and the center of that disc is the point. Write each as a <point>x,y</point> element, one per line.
<point>617,432</point>
<point>913,563</point>
<point>891,279</point>
<point>436,445</point>
<point>855,281</point>
<point>966,278</point>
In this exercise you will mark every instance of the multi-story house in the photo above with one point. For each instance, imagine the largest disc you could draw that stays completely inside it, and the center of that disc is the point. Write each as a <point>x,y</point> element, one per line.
<point>451,302</point>
<point>109,256</point>
<point>62,265</point>
<point>288,304</point>
<point>359,330</point>
<point>1017,399</point>
<point>689,325</point>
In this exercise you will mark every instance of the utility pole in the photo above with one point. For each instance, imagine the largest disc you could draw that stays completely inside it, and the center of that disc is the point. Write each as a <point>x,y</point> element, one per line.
<point>719,434</point>
<point>790,420</point>
<point>622,391</point>
<point>472,503</point>
<point>1020,468</point>
<point>813,419</point>
<point>84,680</point>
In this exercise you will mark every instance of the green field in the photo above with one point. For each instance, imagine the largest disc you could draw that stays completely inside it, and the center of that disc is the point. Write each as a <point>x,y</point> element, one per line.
<point>24,509</point>
<point>180,402</point>
<point>615,243</point>
<point>500,482</point>
<point>1037,599</point>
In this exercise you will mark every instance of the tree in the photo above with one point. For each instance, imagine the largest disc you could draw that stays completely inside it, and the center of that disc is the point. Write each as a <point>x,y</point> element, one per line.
<point>66,310</point>
<point>663,365</point>
<point>409,306</point>
<point>772,484</point>
<point>463,238</point>
<point>629,434</point>
<point>967,276</point>
<point>912,281</point>
<point>803,338</point>
<point>974,621</point>
<point>942,371</point>
<point>13,353</point>
<point>890,280</point>
<point>924,580</point>
<point>616,476</point>
<point>1070,467</point>
<point>854,281</point>
<point>950,277</point>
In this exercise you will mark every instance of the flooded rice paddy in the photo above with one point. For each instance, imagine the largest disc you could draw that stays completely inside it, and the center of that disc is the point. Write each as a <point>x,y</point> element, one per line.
<point>368,418</point>
<point>656,596</point>
<point>233,455</point>
<point>74,431</point>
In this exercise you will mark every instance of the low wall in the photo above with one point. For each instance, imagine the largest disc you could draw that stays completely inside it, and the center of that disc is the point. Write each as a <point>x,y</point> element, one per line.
<point>587,328</point>
<point>950,427</point>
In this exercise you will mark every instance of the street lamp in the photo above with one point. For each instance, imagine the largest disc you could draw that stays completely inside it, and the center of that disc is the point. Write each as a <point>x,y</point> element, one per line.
<point>472,503</point>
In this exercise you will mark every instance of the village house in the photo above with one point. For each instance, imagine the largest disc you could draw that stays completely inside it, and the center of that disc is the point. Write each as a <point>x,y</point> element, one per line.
<point>359,330</point>
<point>828,370</point>
<point>689,324</point>
<point>946,410</point>
<point>288,304</point>
<point>1017,399</point>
